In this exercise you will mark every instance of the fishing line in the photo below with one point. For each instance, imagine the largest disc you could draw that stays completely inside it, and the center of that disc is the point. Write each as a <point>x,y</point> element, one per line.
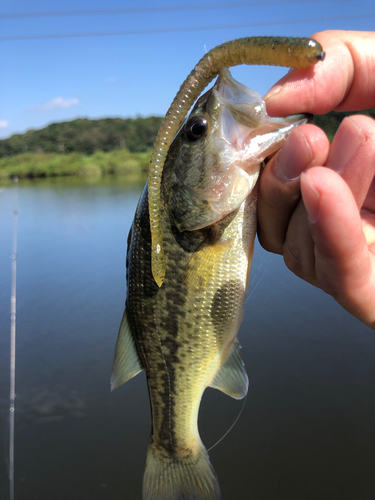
<point>12,392</point>
<point>253,287</point>
<point>263,260</point>
<point>231,427</point>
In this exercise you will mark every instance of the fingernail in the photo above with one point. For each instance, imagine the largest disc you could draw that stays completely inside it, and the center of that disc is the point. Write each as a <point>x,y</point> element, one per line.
<point>310,197</point>
<point>294,157</point>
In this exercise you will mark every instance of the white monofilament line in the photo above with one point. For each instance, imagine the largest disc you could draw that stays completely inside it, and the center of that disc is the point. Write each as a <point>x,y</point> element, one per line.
<point>12,394</point>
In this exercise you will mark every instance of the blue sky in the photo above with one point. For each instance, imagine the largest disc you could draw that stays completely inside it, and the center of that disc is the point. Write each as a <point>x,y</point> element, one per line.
<point>57,79</point>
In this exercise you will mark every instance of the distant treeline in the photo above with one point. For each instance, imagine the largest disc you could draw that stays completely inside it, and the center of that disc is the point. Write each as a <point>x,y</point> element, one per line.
<point>99,147</point>
<point>331,121</point>
<point>86,136</point>
<point>134,134</point>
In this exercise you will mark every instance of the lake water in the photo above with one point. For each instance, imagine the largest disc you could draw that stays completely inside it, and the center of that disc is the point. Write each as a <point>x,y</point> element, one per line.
<point>307,430</point>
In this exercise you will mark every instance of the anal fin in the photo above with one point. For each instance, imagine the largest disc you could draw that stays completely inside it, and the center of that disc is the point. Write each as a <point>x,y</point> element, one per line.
<point>126,364</point>
<point>232,378</point>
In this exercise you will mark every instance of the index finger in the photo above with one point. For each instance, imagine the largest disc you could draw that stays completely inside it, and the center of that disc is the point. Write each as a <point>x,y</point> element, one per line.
<point>344,81</point>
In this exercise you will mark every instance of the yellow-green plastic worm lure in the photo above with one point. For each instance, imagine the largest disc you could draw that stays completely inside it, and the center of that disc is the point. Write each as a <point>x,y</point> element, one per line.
<point>274,51</point>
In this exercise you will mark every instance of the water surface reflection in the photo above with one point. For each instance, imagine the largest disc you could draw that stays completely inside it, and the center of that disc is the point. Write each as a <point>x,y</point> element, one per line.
<point>307,430</point>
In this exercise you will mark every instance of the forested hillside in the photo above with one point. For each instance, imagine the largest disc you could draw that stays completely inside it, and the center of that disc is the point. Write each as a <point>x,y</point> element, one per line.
<point>86,136</point>
<point>98,147</point>
<point>134,134</point>
<point>331,121</point>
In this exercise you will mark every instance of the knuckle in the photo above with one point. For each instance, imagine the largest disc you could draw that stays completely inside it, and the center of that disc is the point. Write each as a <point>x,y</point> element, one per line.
<point>269,243</point>
<point>299,262</point>
<point>329,285</point>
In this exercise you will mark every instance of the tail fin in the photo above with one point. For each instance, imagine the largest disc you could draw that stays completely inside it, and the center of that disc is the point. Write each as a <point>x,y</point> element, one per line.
<point>173,479</point>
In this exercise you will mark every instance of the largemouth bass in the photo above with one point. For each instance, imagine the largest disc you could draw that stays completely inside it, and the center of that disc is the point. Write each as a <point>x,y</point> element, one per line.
<point>184,333</point>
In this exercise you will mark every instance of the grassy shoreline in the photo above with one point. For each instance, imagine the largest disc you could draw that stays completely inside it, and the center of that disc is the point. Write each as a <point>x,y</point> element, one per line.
<point>38,165</point>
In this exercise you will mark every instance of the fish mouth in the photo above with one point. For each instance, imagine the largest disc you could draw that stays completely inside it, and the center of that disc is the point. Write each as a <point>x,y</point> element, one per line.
<point>241,136</point>
<point>245,126</point>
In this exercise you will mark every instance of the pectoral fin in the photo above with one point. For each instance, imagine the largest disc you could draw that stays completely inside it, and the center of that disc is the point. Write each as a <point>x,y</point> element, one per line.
<point>205,262</point>
<point>232,377</point>
<point>126,364</point>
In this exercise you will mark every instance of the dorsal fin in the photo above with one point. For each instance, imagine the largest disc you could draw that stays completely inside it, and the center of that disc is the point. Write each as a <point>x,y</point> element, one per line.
<point>126,364</point>
<point>232,378</point>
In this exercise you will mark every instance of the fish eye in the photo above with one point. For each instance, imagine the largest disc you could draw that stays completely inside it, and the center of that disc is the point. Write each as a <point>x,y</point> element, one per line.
<point>195,128</point>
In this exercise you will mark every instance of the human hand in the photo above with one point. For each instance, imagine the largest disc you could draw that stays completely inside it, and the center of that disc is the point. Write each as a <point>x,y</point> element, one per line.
<point>316,201</point>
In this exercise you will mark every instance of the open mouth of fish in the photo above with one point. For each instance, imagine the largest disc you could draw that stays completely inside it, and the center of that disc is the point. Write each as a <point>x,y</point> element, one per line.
<point>225,140</point>
<point>251,136</point>
<point>244,122</point>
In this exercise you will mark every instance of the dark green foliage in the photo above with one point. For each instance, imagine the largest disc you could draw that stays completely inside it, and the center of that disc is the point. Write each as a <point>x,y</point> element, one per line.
<point>119,162</point>
<point>86,136</point>
<point>331,121</point>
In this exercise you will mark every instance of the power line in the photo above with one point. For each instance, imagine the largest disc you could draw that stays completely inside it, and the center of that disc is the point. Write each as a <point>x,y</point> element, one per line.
<point>180,30</point>
<point>143,10</point>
